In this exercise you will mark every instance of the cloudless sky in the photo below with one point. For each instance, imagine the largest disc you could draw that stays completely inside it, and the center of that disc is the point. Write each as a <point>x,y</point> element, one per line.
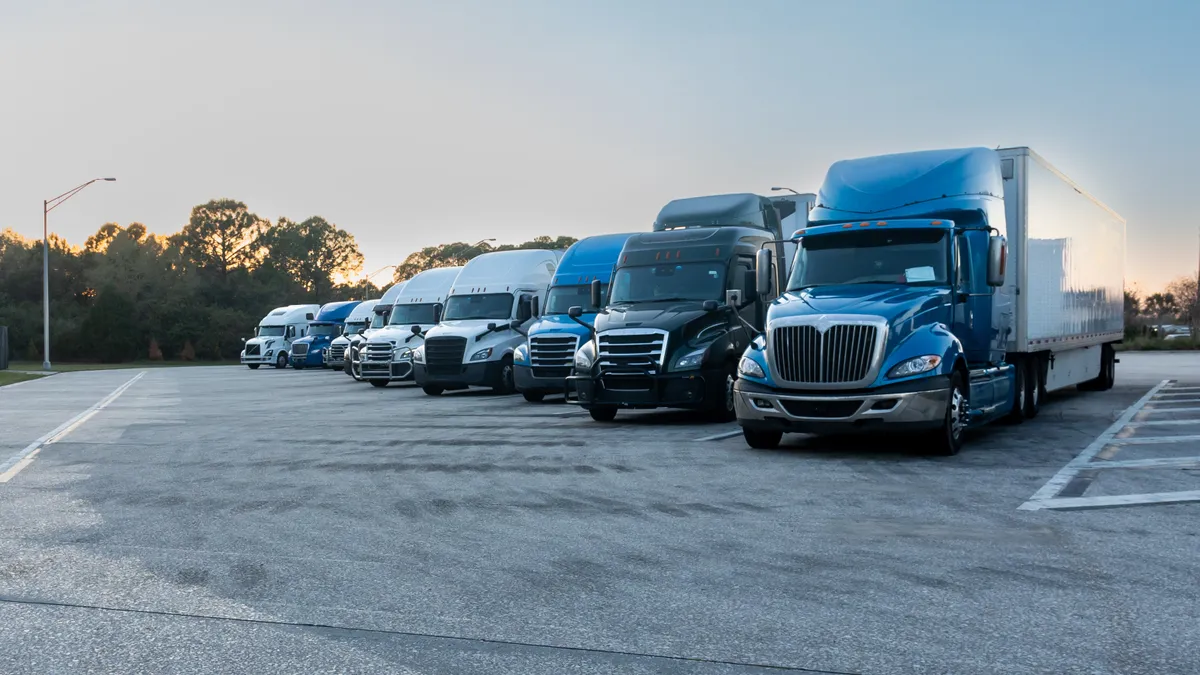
<point>413,124</point>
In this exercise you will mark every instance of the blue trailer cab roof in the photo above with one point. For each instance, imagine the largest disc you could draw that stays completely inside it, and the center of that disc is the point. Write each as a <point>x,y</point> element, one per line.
<point>588,259</point>
<point>908,183</point>
<point>873,225</point>
<point>335,312</point>
<point>742,209</point>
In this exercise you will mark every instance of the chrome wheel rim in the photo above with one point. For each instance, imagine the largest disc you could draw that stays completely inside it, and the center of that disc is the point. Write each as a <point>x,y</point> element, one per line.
<point>958,412</point>
<point>729,393</point>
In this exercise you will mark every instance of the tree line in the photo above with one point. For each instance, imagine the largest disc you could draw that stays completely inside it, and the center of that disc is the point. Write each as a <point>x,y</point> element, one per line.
<point>130,294</point>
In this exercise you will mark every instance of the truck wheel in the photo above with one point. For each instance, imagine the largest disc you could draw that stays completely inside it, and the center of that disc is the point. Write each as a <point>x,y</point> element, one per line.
<point>761,439</point>
<point>379,383</point>
<point>281,361</point>
<point>505,385</point>
<point>433,389</point>
<point>724,409</point>
<point>1108,371</point>
<point>346,367</point>
<point>1017,414</point>
<point>533,396</point>
<point>298,365</point>
<point>1034,389</point>
<point>948,439</point>
<point>253,366</point>
<point>603,413</point>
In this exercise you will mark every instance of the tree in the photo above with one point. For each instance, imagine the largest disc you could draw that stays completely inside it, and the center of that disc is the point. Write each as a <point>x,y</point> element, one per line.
<point>311,253</point>
<point>1133,306</point>
<point>220,235</point>
<point>1183,290</point>
<point>1159,305</point>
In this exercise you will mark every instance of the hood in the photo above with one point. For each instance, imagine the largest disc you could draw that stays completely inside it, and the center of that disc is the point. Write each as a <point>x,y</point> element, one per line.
<point>905,308</point>
<point>341,339</point>
<point>662,315</point>
<point>401,335</point>
<point>264,340</point>
<point>561,323</point>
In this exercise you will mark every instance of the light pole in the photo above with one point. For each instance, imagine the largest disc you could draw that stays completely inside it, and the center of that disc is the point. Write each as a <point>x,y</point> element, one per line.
<point>777,189</point>
<point>474,246</point>
<point>367,279</point>
<point>49,205</point>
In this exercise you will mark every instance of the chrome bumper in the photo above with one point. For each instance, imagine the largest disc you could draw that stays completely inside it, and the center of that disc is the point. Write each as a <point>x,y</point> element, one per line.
<point>916,407</point>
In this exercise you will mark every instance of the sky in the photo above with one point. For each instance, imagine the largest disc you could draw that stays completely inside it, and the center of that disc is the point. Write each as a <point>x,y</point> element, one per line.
<point>412,124</point>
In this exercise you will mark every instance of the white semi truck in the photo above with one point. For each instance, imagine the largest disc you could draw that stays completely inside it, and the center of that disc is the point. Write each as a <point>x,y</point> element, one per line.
<point>359,319</point>
<point>388,354</point>
<point>379,318</point>
<point>272,341</point>
<point>494,298</point>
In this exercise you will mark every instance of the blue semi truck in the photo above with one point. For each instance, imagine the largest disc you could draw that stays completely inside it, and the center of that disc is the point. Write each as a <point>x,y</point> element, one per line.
<point>934,292</point>
<point>543,363</point>
<point>309,351</point>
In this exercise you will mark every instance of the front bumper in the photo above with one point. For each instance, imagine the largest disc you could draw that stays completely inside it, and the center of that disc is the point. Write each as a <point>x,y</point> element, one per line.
<point>912,405</point>
<point>259,359</point>
<point>689,389</point>
<point>479,374</point>
<point>526,382</point>
<point>392,371</point>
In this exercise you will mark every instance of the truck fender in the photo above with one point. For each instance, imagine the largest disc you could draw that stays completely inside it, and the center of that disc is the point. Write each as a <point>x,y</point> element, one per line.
<point>933,339</point>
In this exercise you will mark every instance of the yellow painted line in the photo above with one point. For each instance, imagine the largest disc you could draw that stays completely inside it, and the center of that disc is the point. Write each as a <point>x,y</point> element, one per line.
<point>13,465</point>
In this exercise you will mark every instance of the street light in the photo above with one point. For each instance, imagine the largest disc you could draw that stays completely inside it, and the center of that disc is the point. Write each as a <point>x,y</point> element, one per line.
<point>777,189</point>
<point>49,205</point>
<point>367,279</point>
<point>472,247</point>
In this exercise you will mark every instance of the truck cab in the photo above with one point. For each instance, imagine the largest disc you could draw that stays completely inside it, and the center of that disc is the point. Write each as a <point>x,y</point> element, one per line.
<point>493,300</point>
<point>309,351</point>
<point>681,307</point>
<point>379,319</point>
<point>358,320</point>
<point>273,338</point>
<point>543,363</point>
<point>387,356</point>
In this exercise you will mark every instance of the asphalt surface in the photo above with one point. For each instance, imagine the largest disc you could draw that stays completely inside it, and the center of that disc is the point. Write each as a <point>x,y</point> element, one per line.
<point>227,520</point>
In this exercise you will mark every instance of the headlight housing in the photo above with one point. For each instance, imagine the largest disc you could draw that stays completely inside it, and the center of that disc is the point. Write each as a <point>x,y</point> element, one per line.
<point>750,368</point>
<point>521,353</point>
<point>269,353</point>
<point>418,355</point>
<point>402,354</point>
<point>691,360</point>
<point>915,366</point>
<point>482,354</point>
<point>585,356</point>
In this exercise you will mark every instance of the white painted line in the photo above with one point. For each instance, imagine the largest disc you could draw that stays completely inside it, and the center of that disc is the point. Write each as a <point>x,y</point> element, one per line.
<point>1173,401</point>
<point>1153,440</point>
<point>1159,463</point>
<point>1163,423</point>
<point>1114,500</point>
<point>13,465</point>
<point>717,437</point>
<point>1153,409</point>
<point>1171,390</point>
<point>1059,481</point>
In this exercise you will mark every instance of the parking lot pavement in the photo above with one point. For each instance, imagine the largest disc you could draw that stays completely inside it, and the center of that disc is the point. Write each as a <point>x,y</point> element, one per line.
<point>279,521</point>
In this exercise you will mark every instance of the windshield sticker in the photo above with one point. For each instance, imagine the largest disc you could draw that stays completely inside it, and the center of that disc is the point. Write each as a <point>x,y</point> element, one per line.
<point>914,274</point>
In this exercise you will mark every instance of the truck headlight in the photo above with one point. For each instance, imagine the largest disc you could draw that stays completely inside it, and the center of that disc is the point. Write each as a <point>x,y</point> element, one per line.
<point>691,360</point>
<point>585,356</point>
<point>269,353</point>
<point>482,354</point>
<point>419,355</point>
<point>521,354</point>
<point>750,368</point>
<point>402,354</point>
<point>915,366</point>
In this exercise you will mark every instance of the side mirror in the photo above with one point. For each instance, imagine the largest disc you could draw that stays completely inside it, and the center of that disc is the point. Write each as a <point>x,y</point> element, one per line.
<point>243,339</point>
<point>362,331</point>
<point>437,312</point>
<point>416,330</point>
<point>575,311</point>
<point>536,306</point>
<point>524,309</point>
<point>514,324</point>
<point>762,272</point>
<point>491,326</point>
<point>596,299</point>
<point>709,305</point>
<point>997,259</point>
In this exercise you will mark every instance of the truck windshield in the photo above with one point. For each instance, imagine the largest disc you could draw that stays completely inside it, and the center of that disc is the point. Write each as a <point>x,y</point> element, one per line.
<point>662,283</point>
<point>900,256</point>
<point>269,331</point>
<point>411,314</point>
<point>379,320</point>
<point>324,329</point>
<point>481,306</point>
<point>352,328</point>
<point>562,298</point>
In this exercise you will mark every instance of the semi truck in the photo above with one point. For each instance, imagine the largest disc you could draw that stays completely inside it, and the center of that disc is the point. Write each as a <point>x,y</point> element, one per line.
<point>379,318</point>
<point>493,299</point>
<point>309,351</point>
<point>680,309</point>
<point>933,292</point>
<point>542,364</point>
<point>274,335</point>
<point>359,319</point>
<point>387,356</point>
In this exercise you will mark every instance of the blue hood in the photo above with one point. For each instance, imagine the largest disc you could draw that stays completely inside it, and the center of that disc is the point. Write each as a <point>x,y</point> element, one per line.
<point>561,323</point>
<point>906,308</point>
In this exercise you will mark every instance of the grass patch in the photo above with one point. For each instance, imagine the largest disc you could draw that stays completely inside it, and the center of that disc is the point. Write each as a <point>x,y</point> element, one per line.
<point>13,378</point>
<point>1149,344</point>
<point>73,367</point>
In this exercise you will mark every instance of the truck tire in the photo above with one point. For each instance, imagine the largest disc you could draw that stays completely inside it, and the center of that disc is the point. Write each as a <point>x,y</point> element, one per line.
<point>346,367</point>
<point>1035,388</point>
<point>760,439</point>
<point>948,439</point>
<point>505,385</point>
<point>533,396</point>
<point>433,389</point>
<point>281,361</point>
<point>298,365</point>
<point>1017,414</point>
<point>604,413</point>
<point>1108,371</point>
<point>723,409</point>
<point>253,366</point>
<point>378,383</point>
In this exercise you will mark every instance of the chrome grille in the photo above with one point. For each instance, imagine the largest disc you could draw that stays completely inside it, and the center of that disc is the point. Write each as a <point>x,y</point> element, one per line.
<point>552,355</point>
<point>444,355</point>
<point>337,352</point>
<point>378,351</point>
<point>842,353</point>
<point>632,349</point>
<point>300,349</point>
<point>252,350</point>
